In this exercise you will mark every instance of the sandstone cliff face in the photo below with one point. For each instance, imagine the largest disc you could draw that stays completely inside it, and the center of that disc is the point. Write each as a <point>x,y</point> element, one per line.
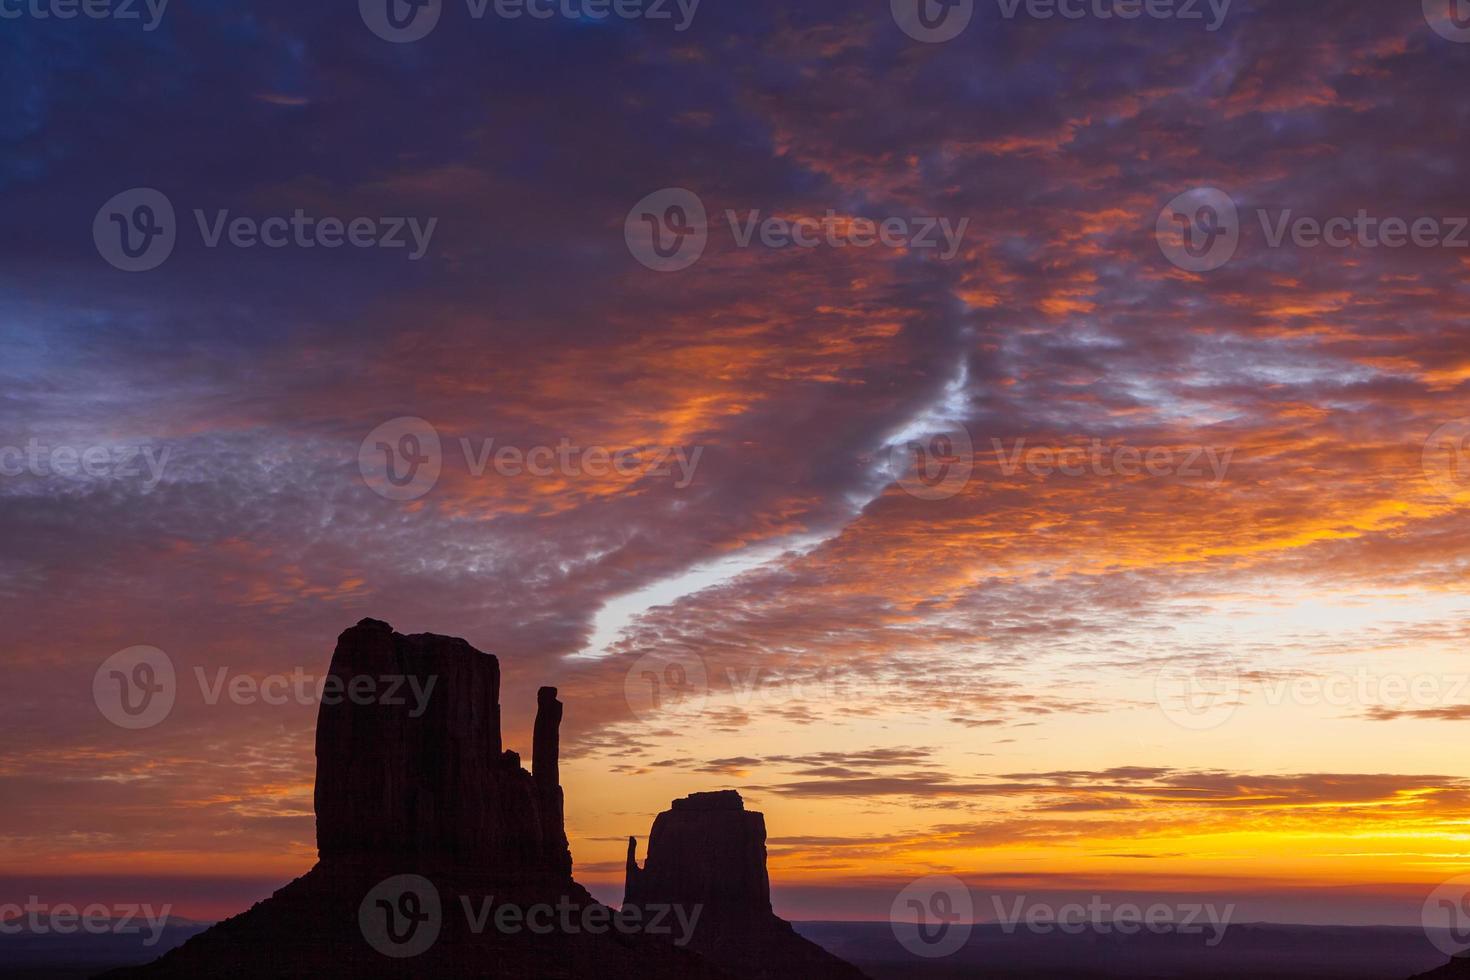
<point>423,775</point>
<point>708,852</point>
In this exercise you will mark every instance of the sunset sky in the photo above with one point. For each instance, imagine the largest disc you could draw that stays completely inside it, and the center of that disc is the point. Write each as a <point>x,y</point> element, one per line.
<point>982,679</point>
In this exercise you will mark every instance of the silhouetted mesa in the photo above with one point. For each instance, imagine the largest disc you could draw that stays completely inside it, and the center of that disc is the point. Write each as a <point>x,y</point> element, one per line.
<point>708,851</point>
<point>418,784</point>
<point>429,781</point>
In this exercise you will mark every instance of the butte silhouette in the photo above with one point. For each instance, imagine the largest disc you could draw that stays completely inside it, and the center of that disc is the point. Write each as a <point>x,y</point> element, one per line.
<point>440,856</point>
<point>707,850</point>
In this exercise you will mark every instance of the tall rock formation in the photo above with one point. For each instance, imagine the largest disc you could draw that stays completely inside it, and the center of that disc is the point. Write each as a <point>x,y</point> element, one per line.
<point>427,830</point>
<point>708,851</point>
<point>546,773</point>
<point>422,774</point>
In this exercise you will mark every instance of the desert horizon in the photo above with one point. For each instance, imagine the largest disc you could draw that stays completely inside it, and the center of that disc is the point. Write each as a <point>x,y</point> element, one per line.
<point>990,470</point>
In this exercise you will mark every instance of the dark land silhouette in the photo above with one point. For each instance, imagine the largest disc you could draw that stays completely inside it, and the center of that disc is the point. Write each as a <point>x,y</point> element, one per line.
<point>436,797</point>
<point>1457,968</point>
<point>707,850</point>
<point>1251,951</point>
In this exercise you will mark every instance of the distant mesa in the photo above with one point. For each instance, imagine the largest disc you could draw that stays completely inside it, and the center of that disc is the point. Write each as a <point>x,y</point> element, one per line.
<point>407,789</point>
<point>707,850</point>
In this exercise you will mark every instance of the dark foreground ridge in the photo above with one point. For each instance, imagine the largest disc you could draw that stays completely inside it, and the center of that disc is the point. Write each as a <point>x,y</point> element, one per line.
<point>1456,969</point>
<point>426,827</point>
<point>708,851</point>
